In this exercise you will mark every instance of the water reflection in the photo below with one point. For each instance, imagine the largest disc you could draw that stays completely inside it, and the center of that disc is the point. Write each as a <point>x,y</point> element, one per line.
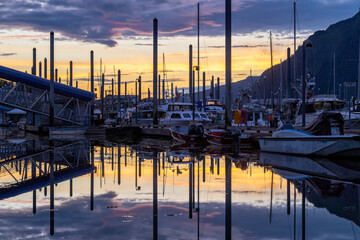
<point>156,189</point>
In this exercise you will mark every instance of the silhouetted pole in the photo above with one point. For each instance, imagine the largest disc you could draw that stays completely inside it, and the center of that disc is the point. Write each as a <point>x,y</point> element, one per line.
<point>51,112</point>
<point>148,94</point>
<point>92,80</point>
<point>45,68</point>
<point>139,88</point>
<point>172,92</point>
<point>76,84</point>
<point>33,69</point>
<point>126,92</point>
<point>102,95</point>
<point>71,73</point>
<point>193,96</point>
<point>176,93</point>
<point>59,79</point>
<point>56,75</point>
<point>228,97</point>
<point>119,91</point>
<point>198,50</point>
<point>183,94</point>
<point>155,71</point>
<point>112,94</point>
<point>228,197</point>
<point>40,68</point>
<point>190,73</point>
<point>272,74</point>
<point>159,89</point>
<point>212,87</point>
<point>204,95</point>
<point>218,88</point>
<point>163,90</point>
<point>136,102</point>
<point>71,187</point>
<point>288,88</point>
<point>155,190</point>
<point>303,86</point>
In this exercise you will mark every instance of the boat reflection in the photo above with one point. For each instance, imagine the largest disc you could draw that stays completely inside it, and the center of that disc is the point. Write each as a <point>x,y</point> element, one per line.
<point>326,183</point>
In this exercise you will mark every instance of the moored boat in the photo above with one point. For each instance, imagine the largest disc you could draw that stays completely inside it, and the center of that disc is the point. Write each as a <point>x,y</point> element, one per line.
<point>192,134</point>
<point>323,138</point>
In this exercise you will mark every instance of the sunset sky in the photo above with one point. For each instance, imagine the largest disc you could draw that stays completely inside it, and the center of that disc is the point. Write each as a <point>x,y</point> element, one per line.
<point>120,32</point>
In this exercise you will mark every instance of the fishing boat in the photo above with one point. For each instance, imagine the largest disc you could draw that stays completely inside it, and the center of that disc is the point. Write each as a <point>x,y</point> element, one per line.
<point>324,137</point>
<point>192,134</point>
<point>67,131</point>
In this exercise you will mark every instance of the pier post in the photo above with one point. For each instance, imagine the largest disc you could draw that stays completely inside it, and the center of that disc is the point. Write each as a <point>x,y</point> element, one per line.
<point>56,75</point>
<point>204,95</point>
<point>51,111</point>
<point>119,92</point>
<point>76,84</point>
<point>183,95</point>
<point>190,73</point>
<point>40,74</point>
<point>136,102</point>
<point>228,97</point>
<point>155,70</point>
<point>45,68</point>
<point>176,93</point>
<point>71,73</point>
<point>33,69</point>
<point>59,79</point>
<point>148,94</point>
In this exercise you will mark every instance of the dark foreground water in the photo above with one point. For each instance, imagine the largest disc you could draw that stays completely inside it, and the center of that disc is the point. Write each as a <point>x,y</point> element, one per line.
<point>151,189</point>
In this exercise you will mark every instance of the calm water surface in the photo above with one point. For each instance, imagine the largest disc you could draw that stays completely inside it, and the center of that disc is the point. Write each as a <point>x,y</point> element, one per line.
<point>153,188</point>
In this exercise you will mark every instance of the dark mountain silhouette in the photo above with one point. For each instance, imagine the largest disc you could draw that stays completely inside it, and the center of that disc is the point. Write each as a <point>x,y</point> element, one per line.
<point>343,39</point>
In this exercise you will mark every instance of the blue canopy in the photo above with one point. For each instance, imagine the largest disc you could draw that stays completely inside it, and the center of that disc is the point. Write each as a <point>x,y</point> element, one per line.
<point>44,84</point>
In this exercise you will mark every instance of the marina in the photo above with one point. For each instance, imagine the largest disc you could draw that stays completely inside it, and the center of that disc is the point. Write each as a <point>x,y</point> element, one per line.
<point>179,120</point>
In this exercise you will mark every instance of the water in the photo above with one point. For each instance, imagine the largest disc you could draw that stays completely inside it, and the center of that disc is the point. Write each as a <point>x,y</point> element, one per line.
<point>201,193</point>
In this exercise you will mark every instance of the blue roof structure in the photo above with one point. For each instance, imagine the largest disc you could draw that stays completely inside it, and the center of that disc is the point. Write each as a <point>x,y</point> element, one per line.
<point>4,109</point>
<point>42,83</point>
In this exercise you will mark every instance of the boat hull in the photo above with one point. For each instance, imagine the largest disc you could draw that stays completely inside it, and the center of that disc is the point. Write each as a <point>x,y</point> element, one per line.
<point>182,137</point>
<point>344,146</point>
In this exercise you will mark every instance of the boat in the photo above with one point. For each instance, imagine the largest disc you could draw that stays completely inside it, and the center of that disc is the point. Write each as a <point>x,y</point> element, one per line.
<point>190,135</point>
<point>323,137</point>
<point>226,138</point>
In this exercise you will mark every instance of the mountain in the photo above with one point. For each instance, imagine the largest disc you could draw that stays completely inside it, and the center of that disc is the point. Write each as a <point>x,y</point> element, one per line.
<point>342,39</point>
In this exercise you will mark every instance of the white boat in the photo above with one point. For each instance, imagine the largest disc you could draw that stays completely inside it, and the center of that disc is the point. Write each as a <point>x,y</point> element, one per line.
<point>291,141</point>
<point>181,113</point>
<point>67,131</point>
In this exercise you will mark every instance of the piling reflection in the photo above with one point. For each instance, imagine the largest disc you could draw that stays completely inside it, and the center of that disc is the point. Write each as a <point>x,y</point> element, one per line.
<point>203,193</point>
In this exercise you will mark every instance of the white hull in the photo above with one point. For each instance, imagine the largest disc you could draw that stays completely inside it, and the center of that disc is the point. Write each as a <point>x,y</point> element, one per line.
<point>347,146</point>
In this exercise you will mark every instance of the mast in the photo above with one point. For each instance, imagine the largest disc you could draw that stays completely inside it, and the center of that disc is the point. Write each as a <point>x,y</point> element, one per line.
<point>294,43</point>
<point>198,48</point>
<point>358,93</point>
<point>272,74</point>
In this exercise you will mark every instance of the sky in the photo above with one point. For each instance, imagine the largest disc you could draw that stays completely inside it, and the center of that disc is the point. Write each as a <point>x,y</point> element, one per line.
<point>120,33</point>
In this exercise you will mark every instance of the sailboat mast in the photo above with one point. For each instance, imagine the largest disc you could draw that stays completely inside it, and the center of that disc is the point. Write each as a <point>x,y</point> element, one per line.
<point>198,48</point>
<point>294,43</point>
<point>272,73</point>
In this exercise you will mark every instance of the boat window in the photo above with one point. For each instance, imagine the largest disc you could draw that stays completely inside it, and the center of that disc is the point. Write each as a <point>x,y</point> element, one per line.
<point>186,115</point>
<point>250,117</point>
<point>176,115</point>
